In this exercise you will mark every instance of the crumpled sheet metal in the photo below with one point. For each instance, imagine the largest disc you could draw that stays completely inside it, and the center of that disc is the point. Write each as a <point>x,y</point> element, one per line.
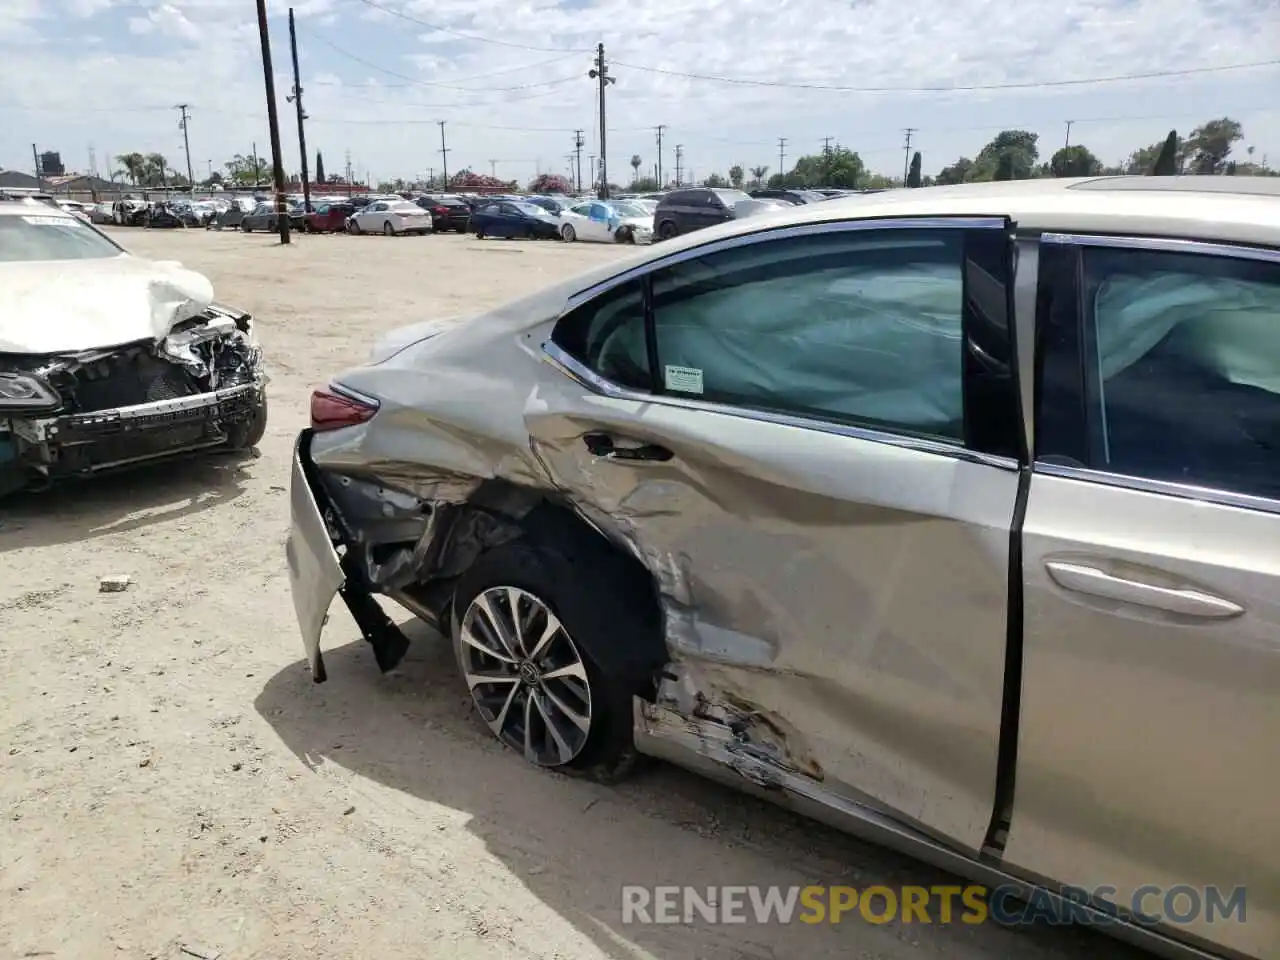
<point>69,307</point>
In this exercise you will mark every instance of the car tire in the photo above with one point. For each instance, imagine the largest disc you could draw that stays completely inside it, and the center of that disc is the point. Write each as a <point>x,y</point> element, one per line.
<point>666,230</point>
<point>247,434</point>
<point>479,234</point>
<point>604,628</point>
<point>568,234</point>
<point>246,228</point>
<point>388,230</point>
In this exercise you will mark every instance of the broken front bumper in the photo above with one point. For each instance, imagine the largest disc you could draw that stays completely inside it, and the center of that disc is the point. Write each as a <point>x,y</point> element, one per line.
<point>315,570</point>
<point>87,443</point>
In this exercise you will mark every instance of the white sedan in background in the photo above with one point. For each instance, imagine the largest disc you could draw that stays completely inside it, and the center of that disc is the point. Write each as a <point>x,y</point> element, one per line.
<point>615,221</point>
<point>391,217</point>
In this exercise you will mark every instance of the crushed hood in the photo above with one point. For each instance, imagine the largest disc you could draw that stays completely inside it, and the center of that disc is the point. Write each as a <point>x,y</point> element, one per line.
<point>73,305</point>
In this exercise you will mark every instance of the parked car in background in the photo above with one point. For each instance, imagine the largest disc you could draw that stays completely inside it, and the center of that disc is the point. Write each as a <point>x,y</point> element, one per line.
<point>75,208</point>
<point>647,203</point>
<point>556,206</point>
<point>100,213</point>
<point>392,217</point>
<point>263,218</point>
<point>791,196</point>
<point>682,211</point>
<point>109,360</point>
<point>514,219</point>
<point>330,217</point>
<point>447,213</point>
<point>757,205</point>
<point>601,221</point>
<point>1007,603</point>
<point>233,215</point>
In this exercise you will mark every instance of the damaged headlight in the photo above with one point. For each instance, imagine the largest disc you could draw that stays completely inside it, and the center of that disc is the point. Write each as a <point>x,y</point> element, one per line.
<point>23,393</point>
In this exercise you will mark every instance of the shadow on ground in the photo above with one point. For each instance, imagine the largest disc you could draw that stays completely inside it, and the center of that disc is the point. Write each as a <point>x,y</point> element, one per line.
<point>575,844</point>
<point>122,502</point>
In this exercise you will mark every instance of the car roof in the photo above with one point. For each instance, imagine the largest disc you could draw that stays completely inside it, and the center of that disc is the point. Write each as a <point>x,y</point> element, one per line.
<point>1229,209</point>
<point>31,207</point>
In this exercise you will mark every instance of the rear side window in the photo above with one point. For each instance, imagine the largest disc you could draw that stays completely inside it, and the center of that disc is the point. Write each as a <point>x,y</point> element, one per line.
<point>1180,358</point>
<point>607,335</point>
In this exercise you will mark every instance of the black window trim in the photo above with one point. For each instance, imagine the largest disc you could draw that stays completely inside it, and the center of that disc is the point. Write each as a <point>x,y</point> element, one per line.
<point>577,370</point>
<point>1183,491</point>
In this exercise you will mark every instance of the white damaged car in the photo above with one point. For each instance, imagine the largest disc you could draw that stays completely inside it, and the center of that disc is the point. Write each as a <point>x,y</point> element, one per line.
<point>109,360</point>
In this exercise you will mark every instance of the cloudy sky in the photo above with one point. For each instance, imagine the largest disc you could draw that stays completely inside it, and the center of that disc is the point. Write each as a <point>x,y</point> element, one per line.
<point>509,77</point>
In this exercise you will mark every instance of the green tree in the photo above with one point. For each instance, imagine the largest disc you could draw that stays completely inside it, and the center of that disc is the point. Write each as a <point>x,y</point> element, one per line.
<point>879,181</point>
<point>1011,153</point>
<point>736,176</point>
<point>757,174</point>
<point>241,170</point>
<point>135,165</point>
<point>1143,160</point>
<point>1167,163</point>
<point>913,178</point>
<point>836,167</point>
<point>1074,161</point>
<point>715,180</point>
<point>635,167</point>
<point>1210,143</point>
<point>957,172</point>
<point>646,185</point>
<point>320,178</point>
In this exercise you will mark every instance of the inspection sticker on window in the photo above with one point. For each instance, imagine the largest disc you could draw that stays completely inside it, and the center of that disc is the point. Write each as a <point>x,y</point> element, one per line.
<point>51,221</point>
<point>684,379</point>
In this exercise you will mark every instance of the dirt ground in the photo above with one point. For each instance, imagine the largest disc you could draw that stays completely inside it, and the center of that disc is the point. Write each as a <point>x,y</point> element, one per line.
<point>171,775</point>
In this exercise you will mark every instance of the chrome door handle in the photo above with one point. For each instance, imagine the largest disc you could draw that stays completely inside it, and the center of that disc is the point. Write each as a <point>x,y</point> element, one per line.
<point>1082,578</point>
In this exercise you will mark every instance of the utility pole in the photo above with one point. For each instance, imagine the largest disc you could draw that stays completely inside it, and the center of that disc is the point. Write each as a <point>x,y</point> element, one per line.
<point>906,156</point>
<point>349,173</point>
<point>302,115</point>
<point>679,164</point>
<point>493,169</point>
<point>660,128</point>
<point>444,155</point>
<point>35,158</point>
<point>826,161</point>
<point>782,159</point>
<point>273,121</point>
<point>578,143</point>
<point>186,144</point>
<point>601,72</point>
<point>93,162</point>
<point>255,164</point>
<point>591,168</point>
<point>1067,143</point>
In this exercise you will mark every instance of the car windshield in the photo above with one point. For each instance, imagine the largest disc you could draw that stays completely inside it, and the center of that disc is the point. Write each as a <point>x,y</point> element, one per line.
<point>629,209</point>
<point>530,209</point>
<point>36,236</point>
<point>730,197</point>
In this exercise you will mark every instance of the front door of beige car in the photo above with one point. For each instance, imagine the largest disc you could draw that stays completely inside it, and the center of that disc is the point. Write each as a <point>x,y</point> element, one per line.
<point>1147,757</point>
<point>813,433</point>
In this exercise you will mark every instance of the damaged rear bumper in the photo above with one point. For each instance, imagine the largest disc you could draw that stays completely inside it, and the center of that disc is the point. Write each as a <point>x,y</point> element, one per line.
<point>315,569</point>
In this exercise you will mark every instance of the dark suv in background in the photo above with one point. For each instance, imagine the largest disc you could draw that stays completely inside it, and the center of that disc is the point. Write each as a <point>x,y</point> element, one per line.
<point>681,211</point>
<point>447,213</point>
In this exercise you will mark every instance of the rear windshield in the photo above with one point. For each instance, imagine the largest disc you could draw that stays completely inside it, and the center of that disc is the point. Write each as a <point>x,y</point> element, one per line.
<point>404,207</point>
<point>36,236</point>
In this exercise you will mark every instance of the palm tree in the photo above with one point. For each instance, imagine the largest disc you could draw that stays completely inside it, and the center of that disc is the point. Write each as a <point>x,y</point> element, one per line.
<point>758,173</point>
<point>134,164</point>
<point>635,167</point>
<point>154,170</point>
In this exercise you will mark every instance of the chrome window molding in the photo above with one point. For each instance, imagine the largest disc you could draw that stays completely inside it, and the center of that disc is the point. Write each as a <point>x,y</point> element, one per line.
<point>1164,245</point>
<point>578,371</point>
<point>1168,488</point>
<point>783,233</point>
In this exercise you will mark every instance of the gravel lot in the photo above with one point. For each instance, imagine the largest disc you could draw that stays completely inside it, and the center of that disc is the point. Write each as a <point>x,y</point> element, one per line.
<point>172,776</point>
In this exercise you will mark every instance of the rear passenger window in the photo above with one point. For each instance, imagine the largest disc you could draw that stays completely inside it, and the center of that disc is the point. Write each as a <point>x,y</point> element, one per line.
<point>607,335</point>
<point>1181,368</point>
<point>861,326</point>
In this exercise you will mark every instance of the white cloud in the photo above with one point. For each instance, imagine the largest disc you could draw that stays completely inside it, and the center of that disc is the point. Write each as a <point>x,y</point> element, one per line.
<point>389,123</point>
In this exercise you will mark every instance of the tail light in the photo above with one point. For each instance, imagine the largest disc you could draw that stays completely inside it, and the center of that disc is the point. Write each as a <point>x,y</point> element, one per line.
<point>332,409</point>
<point>443,211</point>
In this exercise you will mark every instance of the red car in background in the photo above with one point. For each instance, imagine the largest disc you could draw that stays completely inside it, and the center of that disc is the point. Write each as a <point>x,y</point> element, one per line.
<point>330,217</point>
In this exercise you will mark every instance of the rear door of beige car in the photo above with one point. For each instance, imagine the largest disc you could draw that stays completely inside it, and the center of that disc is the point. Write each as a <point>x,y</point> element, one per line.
<point>811,434</point>
<point>1149,745</point>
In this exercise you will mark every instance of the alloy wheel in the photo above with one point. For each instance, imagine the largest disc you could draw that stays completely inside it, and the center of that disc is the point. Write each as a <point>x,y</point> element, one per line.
<point>525,675</point>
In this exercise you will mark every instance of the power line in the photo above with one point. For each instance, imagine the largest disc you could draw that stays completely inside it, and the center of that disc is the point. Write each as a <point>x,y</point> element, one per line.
<point>964,88</point>
<point>480,76</point>
<point>431,83</point>
<point>470,36</point>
